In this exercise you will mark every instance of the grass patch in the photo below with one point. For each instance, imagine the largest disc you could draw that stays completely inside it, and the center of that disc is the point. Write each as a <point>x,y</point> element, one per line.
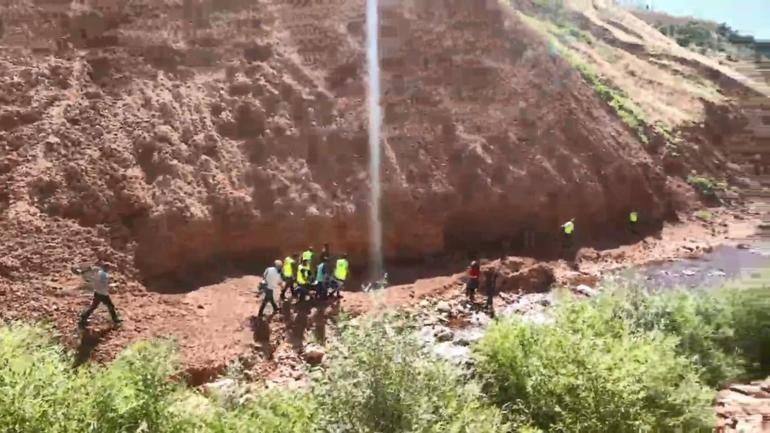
<point>559,36</point>
<point>621,103</point>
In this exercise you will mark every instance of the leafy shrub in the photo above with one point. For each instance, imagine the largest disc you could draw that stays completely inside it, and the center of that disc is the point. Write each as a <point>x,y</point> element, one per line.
<point>381,380</point>
<point>724,333</point>
<point>703,184</point>
<point>589,371</point>
<point>41,392</point>
<point>274,411</point>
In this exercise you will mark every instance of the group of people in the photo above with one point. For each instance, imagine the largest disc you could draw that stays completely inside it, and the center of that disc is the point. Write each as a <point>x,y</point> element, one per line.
<point>300,275</point>
<point>568,228</point>
<point>490,275</point>
<point>490,285</point>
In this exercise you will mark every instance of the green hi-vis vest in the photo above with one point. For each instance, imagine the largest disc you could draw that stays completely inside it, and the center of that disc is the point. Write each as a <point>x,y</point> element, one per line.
<point>633,217</point>
<point>569,227</point>
<point>303,273</point>
<point>288,268</point>
<point>341,269</point>
<point>307,255</point>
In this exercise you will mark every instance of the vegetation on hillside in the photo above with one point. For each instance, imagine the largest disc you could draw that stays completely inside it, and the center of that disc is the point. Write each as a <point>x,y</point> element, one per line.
<point>704,36</point>
<point>622,362</point>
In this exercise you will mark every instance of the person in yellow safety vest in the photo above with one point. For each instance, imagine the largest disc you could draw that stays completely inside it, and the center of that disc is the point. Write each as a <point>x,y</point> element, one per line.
<point>303,279</point>
<point>307,255</point>
<point>569,228</point>
<point>340,275</point>
<point>288,271</point>
<point>633,219</point>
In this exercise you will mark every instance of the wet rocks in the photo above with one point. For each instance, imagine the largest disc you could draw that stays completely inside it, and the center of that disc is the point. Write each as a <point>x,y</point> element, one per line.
<point>442,333</point>
<point>585,290</point>
<point>443,307</point>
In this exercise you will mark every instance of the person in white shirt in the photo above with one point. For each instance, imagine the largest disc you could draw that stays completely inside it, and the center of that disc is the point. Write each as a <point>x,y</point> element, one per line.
<point>98,279</point>
<point>271,281</point>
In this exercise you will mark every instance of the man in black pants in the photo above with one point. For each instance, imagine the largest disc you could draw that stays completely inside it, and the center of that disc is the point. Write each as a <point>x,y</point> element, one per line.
<point>98,278</point>
<point>490,287</point>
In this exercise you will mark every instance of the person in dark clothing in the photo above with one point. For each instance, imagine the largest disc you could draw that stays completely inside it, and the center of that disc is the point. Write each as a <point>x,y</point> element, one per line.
<point>322,279</point>
<point>325,254</point>
<point>474,272</point>
<point>98,279</point>
<point>490,288</point>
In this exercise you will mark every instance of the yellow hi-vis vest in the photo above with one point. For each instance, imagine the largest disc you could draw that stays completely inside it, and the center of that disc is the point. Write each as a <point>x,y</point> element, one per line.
<point>341,269</point>
<point>303,272</point>
<point>633,217</point>
<point>288,269</point>
<point>307,255</point>
<point>569,227</point>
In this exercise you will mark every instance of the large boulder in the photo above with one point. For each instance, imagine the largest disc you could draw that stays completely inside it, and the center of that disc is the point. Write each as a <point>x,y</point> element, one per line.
<point>536,278</point>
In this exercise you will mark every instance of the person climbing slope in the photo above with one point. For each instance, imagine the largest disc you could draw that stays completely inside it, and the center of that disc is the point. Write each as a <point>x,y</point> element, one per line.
<point>98,279</point>
<point>271,281</point>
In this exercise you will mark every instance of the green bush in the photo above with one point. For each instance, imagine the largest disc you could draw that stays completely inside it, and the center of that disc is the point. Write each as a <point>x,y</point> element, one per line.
<point>381,380</point>
<point>703,184</point>
<point>724,333</point>
<point>590,371</point>
<point>41,392</point>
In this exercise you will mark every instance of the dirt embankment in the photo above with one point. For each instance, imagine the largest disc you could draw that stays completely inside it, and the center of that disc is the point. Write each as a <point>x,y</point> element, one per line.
<point>170,165</point>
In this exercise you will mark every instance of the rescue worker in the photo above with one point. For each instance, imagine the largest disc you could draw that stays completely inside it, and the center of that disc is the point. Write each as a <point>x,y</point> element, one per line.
<point>474,272</point>
<point>633,219</point>
<point>303,279</point>
<point>271,281</point>
<point>321,279</point>
<point>340,275</point>
<point>568,229</point>
<point>288,271</point>
<point>97,279</point>
<point>307,255</point>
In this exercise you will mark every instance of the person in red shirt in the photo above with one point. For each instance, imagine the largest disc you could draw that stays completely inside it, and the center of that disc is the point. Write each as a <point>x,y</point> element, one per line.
<point>474,272</point>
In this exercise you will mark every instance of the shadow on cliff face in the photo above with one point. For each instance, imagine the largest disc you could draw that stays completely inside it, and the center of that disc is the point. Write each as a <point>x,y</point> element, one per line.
<point>193,276</point>
<point>465,240</point>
